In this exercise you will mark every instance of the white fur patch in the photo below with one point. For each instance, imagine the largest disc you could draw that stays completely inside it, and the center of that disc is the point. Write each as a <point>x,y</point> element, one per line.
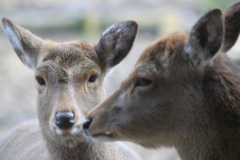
<point>26,60</point>
<point>102,138</point>
<point>109,37</point>
<point>107,133</point>
<point>109,29</point>
<point>14,37</point>
<point>74,130</point>
<point>58,131</point>
<point>15,40</point>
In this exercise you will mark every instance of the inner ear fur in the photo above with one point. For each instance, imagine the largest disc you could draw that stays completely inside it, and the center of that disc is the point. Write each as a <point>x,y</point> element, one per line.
<point>205,37</point>
<point>115,43</point>
<point>26,45</point>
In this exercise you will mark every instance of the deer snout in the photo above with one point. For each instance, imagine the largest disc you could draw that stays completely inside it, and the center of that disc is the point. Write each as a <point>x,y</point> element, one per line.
<point>65,120</point>
<point>86,124</point>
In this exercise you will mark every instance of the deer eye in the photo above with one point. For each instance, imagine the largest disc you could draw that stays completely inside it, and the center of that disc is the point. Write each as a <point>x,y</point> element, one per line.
<point>93,78</point>
<point>143,82</point>
<point>40,80</point>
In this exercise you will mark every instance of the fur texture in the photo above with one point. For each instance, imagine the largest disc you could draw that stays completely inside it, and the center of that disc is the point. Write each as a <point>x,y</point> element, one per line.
<point>183,92</point>
<point>69,77</point>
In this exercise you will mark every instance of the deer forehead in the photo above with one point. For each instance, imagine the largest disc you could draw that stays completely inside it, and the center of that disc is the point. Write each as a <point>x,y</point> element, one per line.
<point>159,55</point>
<point>76,58</point>
<point>68,54</point>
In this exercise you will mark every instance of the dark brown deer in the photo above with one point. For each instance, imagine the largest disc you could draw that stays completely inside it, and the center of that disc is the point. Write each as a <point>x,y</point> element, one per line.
<point>70,83</point>
<point>183,92</point>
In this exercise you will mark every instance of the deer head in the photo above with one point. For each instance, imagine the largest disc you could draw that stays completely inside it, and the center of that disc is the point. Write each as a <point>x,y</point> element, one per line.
<point>69,75</point>
<point>182,91</point>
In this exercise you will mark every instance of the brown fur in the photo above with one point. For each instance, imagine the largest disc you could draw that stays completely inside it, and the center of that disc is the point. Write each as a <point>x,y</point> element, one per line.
<point>183,92</point>
<point>66,69</point>
<point>232,26</point>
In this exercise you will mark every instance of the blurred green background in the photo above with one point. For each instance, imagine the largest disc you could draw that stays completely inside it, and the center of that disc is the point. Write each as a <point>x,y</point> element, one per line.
<point>91,17</point>
<point>66,20</point>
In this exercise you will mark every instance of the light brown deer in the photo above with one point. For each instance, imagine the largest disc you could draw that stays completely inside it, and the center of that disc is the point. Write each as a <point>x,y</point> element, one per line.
<point>69,82</point>
<point>183,92</point>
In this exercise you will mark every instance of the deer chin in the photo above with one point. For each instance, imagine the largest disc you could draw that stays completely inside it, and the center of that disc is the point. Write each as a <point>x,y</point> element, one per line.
<point>67,132</point>
<point>104,136</point>
<point>70,137</point>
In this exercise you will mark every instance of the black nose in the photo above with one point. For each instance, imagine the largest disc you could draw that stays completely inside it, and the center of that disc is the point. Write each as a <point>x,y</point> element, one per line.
<point>86,124</point>
<point>65,120</point>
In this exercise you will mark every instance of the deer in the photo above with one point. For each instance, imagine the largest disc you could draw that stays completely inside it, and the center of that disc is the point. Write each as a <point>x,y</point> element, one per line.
<point>69,79</point>
<point>183,92</point>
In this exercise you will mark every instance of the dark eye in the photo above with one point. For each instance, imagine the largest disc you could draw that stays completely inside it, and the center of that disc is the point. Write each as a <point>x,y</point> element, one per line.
<point>40,80</point>
<point>93,78</point>
<point>143,82</point>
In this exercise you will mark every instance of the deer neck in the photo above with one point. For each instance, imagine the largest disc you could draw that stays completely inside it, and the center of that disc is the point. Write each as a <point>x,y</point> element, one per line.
<point>83,150</point>
<point>214,133</point>
<point>210,146</point>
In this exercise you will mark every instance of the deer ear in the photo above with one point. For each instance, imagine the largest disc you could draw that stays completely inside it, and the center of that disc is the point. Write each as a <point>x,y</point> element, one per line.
<point>115,43</point>
<point>26,45</point>
<point>205,38</point>
<point>232,26</point>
